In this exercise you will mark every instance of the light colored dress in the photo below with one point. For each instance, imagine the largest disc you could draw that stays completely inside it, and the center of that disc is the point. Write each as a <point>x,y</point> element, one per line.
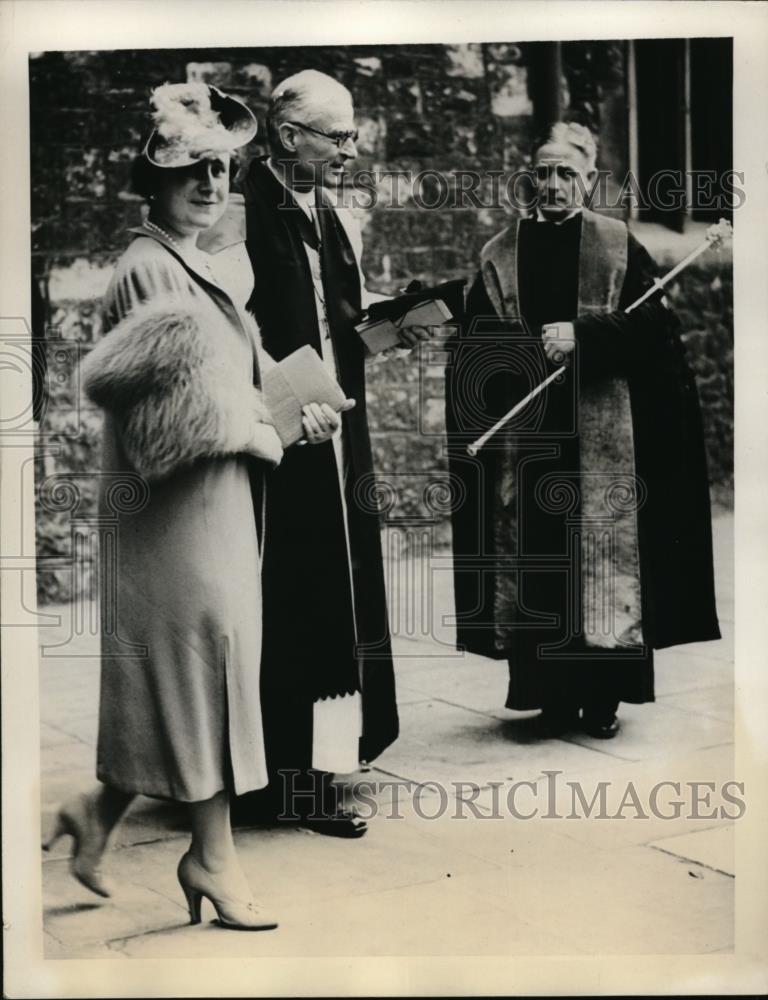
<point>180,707</point>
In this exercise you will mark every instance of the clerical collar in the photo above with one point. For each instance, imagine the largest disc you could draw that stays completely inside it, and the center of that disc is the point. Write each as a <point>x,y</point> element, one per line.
<point>304,199</point>
<point>541,218</point>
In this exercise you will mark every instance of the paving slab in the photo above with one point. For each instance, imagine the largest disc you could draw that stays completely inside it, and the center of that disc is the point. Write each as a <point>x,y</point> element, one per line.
<point>78,723</point>
<point>66,757</point>
<point>74,915</point>
<point>713,848</point>
<point>636,901</point>
<point>679,673</point>
<point>658,730</point>
<point>697,781</point>
<point>407,695</point>
<point>471,747</point>
<point>473,682</point>
<point>715,702</point>
<point>55,950</point>
<point>441,911</point>
<point>58,786</point>
<point>440,919</point>
<point>52,736</point>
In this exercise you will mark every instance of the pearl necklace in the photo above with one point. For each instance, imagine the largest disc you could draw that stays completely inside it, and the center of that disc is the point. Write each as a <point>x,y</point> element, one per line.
<point>153,227</point>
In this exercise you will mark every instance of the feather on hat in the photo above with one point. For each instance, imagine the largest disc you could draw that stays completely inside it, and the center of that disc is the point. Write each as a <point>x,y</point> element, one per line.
<point>193,121</point>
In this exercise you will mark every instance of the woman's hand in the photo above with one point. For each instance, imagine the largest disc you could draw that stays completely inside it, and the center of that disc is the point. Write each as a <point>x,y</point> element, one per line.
<point>321,422</point>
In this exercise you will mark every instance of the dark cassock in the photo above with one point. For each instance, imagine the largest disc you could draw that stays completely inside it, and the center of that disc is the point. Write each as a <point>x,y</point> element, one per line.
<point>328,690</point>
<point>582,530</point>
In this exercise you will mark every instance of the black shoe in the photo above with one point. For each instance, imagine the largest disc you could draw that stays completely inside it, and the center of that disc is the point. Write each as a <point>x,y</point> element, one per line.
<point>343,823</point>
<point>601,727</point>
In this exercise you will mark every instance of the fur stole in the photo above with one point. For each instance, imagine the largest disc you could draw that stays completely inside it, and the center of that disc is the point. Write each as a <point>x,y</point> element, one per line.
<point>176,395</point>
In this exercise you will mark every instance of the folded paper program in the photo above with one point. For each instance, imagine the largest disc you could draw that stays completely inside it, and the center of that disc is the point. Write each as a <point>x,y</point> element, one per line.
<point>299,379</point>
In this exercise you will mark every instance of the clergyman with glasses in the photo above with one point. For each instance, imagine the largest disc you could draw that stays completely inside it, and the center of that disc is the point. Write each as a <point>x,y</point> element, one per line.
<point>328,691</point>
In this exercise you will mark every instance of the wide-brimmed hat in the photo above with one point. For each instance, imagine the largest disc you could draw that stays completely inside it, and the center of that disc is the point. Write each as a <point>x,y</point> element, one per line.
<point>194,121</point>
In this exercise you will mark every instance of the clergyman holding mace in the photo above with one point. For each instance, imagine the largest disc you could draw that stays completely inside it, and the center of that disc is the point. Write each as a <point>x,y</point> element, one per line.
<point>581,526</point>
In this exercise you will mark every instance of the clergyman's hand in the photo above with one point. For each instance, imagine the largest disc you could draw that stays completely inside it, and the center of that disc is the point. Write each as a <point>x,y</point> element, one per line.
<point>410,336</point>
<point>559,341</point>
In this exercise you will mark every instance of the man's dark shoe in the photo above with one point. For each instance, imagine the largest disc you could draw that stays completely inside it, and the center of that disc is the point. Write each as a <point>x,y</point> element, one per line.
<point>343,823</point>
<point>601,728</point>
<point>330,816</point>
<point>317,804</point>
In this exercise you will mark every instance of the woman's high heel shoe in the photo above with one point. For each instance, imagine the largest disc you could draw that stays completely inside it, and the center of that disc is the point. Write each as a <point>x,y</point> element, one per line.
<point>236,914</point>
<point>78,819</point>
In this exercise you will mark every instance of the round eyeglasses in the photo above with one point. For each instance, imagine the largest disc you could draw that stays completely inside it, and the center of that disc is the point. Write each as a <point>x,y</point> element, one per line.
<point>338,138</point>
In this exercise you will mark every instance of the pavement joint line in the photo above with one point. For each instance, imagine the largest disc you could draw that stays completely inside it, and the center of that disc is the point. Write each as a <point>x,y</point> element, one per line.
<point>65,732</point>
<point>152,840</point>
<point>694,687</point>
<point>685,654</point>
<point>415,701</point>
<point>601,750</point>
<point>400,888</point>
<point>488,783</point>
<point>690,861</point>
<point>696,714</point>
<point>114,848</point>
<point>628,846</point>
<point>119,943</point>
<point>453,704</point>
<point>115,946</point>
<point>50,934</point>
<point>162,895</point>
<point>645,760</point>
<point>89,941</point>
<point>701,829</point>
<point>400,777</point>
<point>563,739</point>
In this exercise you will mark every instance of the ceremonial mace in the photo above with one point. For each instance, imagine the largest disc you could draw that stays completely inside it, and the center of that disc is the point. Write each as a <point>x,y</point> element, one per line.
<point>715,238</point>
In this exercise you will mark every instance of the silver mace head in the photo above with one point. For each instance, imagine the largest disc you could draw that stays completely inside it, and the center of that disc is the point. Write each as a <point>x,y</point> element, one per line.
<point>719,233</point>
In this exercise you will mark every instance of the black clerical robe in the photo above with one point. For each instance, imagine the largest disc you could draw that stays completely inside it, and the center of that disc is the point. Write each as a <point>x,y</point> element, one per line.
<point>322,637</point>
<point>582,532</point>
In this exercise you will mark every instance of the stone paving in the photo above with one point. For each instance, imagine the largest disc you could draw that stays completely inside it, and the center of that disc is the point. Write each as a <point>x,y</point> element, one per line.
<point>465,882</point>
